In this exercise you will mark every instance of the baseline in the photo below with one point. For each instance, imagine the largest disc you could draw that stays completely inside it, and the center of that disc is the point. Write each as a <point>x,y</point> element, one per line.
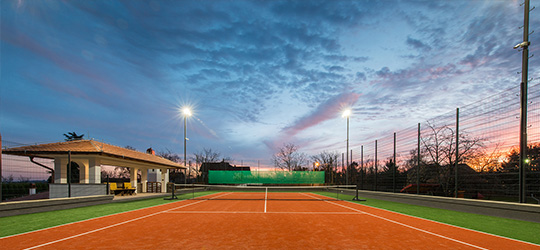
<point>96,218</point>
<point>253,212</point>
<point>450,225</point>
<point>430,221</point>
<point>114,225</point>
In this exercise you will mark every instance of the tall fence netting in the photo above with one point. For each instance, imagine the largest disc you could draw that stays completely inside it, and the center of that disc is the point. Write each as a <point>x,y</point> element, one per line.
<point>22,178</point>
<point>487,134</point>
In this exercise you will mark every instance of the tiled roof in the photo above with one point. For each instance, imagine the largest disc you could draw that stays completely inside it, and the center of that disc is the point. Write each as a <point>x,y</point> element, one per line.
<point>90,147</point>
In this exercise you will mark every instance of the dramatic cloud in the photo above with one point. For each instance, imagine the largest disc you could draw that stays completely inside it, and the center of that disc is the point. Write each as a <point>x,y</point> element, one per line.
<point>260,72</point>
<point>327,110</point>
<point>417,44</point>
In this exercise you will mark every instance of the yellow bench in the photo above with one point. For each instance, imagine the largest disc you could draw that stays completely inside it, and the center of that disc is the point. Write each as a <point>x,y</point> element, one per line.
<point>121,188</point>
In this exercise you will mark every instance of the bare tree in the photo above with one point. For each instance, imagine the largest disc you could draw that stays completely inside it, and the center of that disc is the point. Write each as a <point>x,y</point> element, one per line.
<point>439,146</point>
<point>169,155</point>
<point>121,172</point>
<point>438,155</point>
<point>175,175</point>
<point>484,161</point>
<point>288,158</point>
<point>205,156</point>
<point>328,162</point>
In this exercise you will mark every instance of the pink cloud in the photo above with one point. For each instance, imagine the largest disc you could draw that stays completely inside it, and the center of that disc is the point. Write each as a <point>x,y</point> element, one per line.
<point>331,108</point>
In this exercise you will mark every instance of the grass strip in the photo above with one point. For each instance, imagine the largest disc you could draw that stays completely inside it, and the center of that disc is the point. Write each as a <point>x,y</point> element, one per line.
<point>515,229</point>
<point>30,222</point>
<point>510,228</point>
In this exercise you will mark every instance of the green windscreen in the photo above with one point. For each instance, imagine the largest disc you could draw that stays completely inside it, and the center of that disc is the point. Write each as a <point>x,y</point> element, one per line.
<point>265,177</point>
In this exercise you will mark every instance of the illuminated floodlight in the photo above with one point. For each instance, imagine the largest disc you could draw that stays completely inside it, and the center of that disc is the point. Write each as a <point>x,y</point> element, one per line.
<point>186,111</point>
<point>346,113</point>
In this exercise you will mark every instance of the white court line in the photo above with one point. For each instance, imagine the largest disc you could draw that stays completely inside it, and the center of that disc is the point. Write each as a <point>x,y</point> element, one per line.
<point>409,226</point>
<point>255,212</point>
<point>85,220</point>
<point>95,218</point>
<point>265,199</point>
<point>118,224</point>
<point>437,222</point>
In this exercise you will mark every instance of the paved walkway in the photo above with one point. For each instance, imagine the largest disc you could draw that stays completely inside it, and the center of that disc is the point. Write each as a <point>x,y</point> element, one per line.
<point>140,196</point>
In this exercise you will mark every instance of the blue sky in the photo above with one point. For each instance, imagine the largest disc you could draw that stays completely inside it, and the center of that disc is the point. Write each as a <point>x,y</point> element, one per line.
<point>257,74</point>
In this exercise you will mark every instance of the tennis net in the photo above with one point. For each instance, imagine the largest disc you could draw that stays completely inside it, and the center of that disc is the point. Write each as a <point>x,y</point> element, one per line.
<point>245,192</point>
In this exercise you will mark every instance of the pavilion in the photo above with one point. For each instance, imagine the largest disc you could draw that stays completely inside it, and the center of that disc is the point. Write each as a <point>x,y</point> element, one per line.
<point>90,156</point>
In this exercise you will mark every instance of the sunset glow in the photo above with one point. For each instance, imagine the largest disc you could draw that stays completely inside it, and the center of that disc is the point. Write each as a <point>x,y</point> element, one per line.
<point>255,75</point>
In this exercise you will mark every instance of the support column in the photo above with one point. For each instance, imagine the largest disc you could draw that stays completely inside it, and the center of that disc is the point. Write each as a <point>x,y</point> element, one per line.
<point>133,178</point>
<point>60,170</point>
<point>94,170</point>
<point>144,179</point>
<point>164,180</point>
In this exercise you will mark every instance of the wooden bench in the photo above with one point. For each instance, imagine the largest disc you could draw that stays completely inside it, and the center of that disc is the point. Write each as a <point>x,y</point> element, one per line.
<point>121,188</point>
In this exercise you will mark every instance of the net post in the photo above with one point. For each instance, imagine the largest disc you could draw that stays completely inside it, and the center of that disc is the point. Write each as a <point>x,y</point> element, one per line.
<point>173,196</point>
<point>356,196</point>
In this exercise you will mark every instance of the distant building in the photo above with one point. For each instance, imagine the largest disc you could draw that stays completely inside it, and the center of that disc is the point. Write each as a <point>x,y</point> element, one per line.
<point>224,166</point>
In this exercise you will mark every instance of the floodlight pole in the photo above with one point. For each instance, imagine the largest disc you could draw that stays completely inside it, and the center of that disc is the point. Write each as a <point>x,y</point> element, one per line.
<point>185,144</point>
<point>347,156</point>
<point>523,162</point>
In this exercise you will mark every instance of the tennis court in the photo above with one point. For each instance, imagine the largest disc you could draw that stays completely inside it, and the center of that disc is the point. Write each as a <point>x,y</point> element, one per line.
<point>260,220</point>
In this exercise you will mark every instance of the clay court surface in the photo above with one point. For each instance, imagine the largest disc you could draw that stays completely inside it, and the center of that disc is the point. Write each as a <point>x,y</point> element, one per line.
<point>239,222</point>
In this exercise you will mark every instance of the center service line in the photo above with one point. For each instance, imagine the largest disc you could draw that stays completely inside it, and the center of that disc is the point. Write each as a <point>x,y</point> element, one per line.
<point>265,198</point>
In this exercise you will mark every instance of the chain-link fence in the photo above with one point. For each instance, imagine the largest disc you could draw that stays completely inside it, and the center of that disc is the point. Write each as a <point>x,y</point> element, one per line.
<point>422,159</point>
<point>418,159</point>
<point>24,177</point>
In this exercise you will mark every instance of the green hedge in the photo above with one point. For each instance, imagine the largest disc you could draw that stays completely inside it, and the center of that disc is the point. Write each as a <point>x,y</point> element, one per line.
<point>12,190</point>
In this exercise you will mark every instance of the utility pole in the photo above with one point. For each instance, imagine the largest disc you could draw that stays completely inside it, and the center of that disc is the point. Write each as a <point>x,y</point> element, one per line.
<point>524,46</point>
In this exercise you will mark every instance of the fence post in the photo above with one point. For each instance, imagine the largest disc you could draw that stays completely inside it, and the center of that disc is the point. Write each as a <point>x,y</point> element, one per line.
<point>418,163</point>
<point>356,172</point>
<point>395,167</point>
<point>362,165</point>
<point>457,153</point>
<point>342,167</point>
<point>376,165</point>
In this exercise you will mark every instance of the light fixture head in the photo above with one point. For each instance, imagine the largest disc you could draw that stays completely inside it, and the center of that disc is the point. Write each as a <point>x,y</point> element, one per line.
<point>522,45</point>
<point>346,113</point>
<point>186,111</point>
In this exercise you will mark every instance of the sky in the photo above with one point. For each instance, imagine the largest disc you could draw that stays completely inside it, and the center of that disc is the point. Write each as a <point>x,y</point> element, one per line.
<point>256,74</point>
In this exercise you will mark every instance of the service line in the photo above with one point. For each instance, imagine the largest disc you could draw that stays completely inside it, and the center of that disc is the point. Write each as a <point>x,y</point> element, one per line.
<point>117,224</point>
<point>405,225</point>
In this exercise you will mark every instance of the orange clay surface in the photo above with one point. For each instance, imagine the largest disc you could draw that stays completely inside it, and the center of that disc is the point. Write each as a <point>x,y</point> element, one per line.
<point>259,224</point>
